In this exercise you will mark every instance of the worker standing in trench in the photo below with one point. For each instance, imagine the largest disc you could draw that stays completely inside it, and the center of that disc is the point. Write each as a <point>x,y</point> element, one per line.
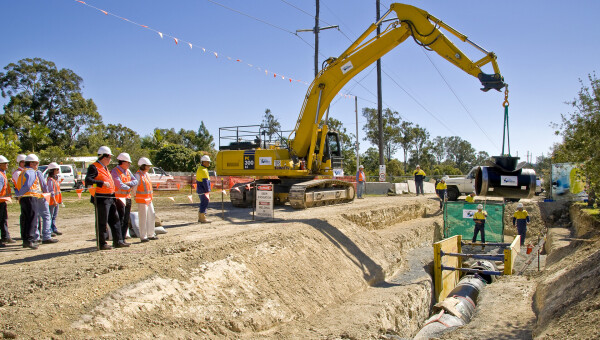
<point>479,219</point>
<point>441,189</point>
<point>520,220</point>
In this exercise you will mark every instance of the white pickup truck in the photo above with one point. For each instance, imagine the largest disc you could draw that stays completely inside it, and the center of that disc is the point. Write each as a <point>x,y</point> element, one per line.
<point>461,185</point>
<point>159,177</point>
<point>68,176</point>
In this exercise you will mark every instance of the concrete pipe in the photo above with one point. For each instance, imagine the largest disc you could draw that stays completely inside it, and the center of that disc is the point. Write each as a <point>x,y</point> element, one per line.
<point>487,266</point>
<point>459,307</point>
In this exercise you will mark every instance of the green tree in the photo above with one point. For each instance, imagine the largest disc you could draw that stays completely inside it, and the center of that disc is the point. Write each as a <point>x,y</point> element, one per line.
<point>405,140</point>
<point>391,129</point>
<point>270,125</point>
<point>9,146</point>
<point>419,141</point>
<point>579,130</point>
<point>481,157</point>
<point>175,158</point>
<point>50,97</point>
<point>438,148</point>
<point>460,152</point>
<point>370,160</point>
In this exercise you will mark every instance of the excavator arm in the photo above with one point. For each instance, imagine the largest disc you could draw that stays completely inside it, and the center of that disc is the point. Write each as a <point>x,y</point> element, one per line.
<point>413,22</point>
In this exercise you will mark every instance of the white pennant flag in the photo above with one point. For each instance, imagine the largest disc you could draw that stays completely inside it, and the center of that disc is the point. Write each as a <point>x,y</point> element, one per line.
<point>190,45</point>
<point>161,35</point>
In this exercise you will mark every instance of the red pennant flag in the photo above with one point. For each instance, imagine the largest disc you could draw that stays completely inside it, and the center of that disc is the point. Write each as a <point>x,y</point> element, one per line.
<point>82,2</point>
<point>178,186</point>
<point>79,191</point>
<point>290,80</point>
<point>190,198</point>
<point>274,75</point>
<point>216,55</point>
<point>194,186</point>
<point>92,190</point>
<point>157,185</point>
<point>144,26</point>
<point>105,12</point>
<point>238,60</point>
<point>176,41</point>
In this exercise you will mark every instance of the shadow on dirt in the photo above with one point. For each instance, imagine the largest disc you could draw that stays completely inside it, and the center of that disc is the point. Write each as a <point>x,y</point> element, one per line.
<point>47,256</point>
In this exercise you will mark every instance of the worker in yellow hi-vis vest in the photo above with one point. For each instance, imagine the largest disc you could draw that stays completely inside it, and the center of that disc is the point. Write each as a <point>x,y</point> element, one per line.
<point>479,219</point>
<point>520,220</point>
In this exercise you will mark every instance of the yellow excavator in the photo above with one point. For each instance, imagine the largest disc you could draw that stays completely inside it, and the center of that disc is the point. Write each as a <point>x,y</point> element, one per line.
<point>302,167</point>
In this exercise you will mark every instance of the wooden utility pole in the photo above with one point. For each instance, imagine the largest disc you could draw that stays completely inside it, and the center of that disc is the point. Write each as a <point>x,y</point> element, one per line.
<point>379,97</point>
<point>316,31</point>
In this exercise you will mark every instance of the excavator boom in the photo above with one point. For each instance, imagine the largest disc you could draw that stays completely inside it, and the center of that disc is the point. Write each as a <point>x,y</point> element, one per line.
<point>412,22</point>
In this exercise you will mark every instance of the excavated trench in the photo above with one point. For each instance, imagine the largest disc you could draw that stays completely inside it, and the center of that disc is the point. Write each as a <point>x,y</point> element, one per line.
<point>362,273</point>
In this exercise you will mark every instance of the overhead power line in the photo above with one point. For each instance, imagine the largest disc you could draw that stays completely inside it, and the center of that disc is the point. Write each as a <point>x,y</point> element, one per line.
<point>459,100</point>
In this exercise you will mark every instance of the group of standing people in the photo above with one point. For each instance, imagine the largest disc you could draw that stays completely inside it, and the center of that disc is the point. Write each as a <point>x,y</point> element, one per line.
<point>111,198</point>
<point>30,189</point>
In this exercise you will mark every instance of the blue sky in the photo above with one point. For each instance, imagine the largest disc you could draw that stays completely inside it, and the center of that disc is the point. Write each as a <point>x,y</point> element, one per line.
<point>142,81</point>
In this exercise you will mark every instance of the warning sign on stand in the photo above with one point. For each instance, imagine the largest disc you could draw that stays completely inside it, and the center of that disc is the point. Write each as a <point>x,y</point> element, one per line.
<point>264,201</point>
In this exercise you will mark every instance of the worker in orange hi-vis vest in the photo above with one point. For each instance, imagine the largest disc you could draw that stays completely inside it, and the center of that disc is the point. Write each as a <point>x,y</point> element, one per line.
<point>124,183</point>
<point>55,195</point>
<point>4,197</point>
<point>361,179</point>
<point>29,189</point>
<point>103,199</point>
<point>143,198</point>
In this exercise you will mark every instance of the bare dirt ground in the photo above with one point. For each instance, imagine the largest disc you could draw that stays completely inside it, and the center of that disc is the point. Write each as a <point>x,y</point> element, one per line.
<point>353,271</point>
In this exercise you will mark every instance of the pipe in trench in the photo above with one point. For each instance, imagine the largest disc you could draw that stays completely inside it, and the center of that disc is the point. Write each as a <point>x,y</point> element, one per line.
<point>458,308</point>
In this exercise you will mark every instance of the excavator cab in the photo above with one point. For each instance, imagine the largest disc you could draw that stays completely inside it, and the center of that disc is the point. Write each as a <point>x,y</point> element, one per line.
<point>333,150</point>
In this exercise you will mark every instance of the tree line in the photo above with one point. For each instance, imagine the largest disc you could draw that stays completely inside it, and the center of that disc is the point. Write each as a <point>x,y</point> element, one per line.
<point>47,114</point>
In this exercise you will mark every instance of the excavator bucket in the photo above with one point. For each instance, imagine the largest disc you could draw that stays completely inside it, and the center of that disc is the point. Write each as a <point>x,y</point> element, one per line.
<point>491,81</point>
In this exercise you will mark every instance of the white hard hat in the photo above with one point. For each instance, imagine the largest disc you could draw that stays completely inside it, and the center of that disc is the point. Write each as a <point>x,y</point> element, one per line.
<point>21,158</point>
<point>361,166</point>
<point>445,178</point>
<point>3,159</point>
<point>480,206</point>
<point>124,156</point>
<point>519,205</point>
<point>53,165</point>
<point>418,166</point>
<point>104,150</point>
<point>32,158</point>
<point>144,161</point>
<point>205,158</point>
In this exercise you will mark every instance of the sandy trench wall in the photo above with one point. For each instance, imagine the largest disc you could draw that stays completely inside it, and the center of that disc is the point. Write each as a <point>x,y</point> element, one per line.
<point>277,277</point>
<point>569,286</point>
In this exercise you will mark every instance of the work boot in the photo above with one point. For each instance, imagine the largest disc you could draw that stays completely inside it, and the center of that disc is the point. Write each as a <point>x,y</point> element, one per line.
<point>202,218</point>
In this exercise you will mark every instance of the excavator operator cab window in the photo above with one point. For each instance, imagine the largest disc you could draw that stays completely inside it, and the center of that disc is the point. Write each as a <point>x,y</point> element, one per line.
<point>333,143</point>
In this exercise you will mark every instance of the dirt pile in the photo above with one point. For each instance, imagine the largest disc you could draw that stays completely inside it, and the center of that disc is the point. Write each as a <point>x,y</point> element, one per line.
<point>232,279</point>
<point>567,298</point>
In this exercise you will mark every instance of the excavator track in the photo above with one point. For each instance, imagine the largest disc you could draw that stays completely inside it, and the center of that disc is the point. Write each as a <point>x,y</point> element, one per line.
<point>320,192</point>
